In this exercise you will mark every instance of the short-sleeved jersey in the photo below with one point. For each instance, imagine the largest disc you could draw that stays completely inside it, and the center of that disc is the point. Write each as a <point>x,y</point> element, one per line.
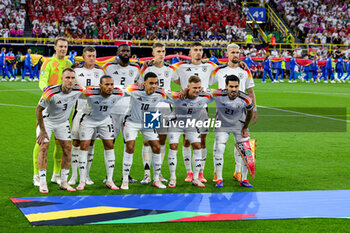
<point>221,72</point>
<point>189,108</point>
<point>51,71</point>
<point>185,70</point>
<point>231,112</point>
<point>122,76</point>
<point>140,102</point>
<point>87,77</point>
<point>57,104</point>
<point>165,74</point>
<point>99,107</point>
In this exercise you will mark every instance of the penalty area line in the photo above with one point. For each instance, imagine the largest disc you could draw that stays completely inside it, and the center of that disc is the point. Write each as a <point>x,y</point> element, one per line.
<point>16,105</point>
<point>305,114</point>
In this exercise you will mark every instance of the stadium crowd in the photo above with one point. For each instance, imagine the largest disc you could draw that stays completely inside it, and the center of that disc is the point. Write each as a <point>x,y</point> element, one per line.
<point>190,20</point>
<point>12,18</point>
<point>317,22</point>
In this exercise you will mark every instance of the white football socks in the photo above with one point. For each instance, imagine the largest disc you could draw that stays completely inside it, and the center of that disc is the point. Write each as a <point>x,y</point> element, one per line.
<point>109,163</point>
<point>197,163</point>
<point>186,152</point>
<point>82,164</point>
<point>146,159</point>
<point>172,161</point>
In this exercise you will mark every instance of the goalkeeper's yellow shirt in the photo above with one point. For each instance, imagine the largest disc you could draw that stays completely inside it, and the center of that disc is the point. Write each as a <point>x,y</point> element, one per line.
<point>51,71</point>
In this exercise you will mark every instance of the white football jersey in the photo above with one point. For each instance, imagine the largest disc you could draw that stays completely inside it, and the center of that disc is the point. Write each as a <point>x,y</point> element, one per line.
<point>189,108</point>
<point>185,70</point>
<point>58,105</point>
<point>221,72</point>
<point>122,76</point>
<point>99,107</point>
<point>87,77</point>
<point>140,102</point>
<point>231,112</point>
<point>165,74</point>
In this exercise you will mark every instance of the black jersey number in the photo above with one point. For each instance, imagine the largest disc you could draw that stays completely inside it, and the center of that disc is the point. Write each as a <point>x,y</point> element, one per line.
<point>103,108</point>
<point>110,128</point>
<point>161,82</point>
<point>122,81</point>
<point>189,111</point>
<point>229,111</point>
<point>144,106</point>
<point>88,82</point>
<point>65,107</point>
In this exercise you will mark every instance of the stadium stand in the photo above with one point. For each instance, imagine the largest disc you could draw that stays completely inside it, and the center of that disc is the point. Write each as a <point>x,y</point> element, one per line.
<point>190,20</point>
<point>317,22</point>
<point>12,18</point>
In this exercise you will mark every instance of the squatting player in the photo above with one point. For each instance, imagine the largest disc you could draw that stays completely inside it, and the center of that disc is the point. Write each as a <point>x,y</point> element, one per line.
<point>52,113</point>
<point>100,101</point>
<point>187,109</point>
<point>203,70</point>
<point>142,100</point>
<point>246,85</point>
<point>231,105</point>
<point>124,73</point>
<point>88,74</point>
<point>165,74</point>
<point>50,74</point>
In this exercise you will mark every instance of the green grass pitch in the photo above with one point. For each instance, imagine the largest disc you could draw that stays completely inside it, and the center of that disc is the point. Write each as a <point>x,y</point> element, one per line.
<point>286,161</point>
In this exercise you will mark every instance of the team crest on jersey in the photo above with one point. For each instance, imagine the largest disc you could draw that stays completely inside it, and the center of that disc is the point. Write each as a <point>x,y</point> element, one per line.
<point>204,69</point>
<point>131,73</point>
<point>154,100</point>
<point>166,74</point>
<point>96,74</point>
<point>240,75</point>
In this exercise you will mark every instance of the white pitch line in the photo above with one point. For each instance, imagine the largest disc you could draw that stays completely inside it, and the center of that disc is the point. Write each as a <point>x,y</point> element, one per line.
<point>15,105</point>
<point>21,90</point>
<point>305,114</point>
<point>307,92</point>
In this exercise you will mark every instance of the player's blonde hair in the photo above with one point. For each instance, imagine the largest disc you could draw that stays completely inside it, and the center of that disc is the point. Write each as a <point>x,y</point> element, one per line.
<point>157,45</point>
<point>232,46</point>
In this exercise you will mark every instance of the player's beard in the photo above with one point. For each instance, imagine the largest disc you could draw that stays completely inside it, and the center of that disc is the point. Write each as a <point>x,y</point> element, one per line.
<point>124,59</point>
<point>235,60</point>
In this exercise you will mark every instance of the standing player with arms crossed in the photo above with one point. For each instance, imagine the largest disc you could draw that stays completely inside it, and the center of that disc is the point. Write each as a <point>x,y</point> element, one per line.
<point>52,113</point>
<point>246,85</point>
<point>86,75</point>
<point>165,74</point>
<point>124,73</point>
<point>231,105</point>
<point>50,74</point>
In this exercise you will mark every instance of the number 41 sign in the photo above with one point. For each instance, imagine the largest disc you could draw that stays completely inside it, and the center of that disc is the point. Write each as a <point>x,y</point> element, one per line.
<point>259,13</point>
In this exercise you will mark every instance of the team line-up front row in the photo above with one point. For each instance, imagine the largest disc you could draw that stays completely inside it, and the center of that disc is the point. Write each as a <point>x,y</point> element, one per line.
<point>234,112</point>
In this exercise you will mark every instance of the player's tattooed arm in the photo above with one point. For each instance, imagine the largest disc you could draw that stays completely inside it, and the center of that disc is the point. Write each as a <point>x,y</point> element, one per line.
<point>251,93</point>
<point>39,116</point>
<point>243,65</point>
